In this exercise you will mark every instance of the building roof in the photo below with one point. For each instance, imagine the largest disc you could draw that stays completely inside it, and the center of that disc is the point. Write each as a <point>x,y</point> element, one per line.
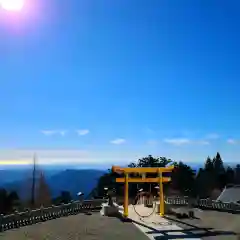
<point>231,193</point>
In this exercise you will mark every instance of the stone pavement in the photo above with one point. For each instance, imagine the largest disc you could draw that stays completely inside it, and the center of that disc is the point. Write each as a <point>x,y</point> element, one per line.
<point>207,225</point>
<point>77,227</point>
<point>156,227</point>
<point>211,225</point>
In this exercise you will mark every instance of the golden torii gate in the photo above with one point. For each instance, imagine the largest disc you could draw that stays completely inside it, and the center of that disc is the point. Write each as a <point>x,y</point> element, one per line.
<point>160,179</point>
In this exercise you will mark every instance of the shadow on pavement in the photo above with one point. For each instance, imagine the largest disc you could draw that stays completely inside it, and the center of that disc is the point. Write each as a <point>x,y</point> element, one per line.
<point>193,232</point>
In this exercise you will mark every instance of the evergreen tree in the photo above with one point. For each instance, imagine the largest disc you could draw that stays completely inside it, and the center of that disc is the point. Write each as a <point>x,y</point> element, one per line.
<point>230,175</point>
<point>209,165</point>
<point>202,188</point>
<point>219,172</point>
<point>208,177</point>
<point>8,201</point>
<point>218,164</point>
<point>183,178</point>
<point>237,174</point>
<point>3,201</point>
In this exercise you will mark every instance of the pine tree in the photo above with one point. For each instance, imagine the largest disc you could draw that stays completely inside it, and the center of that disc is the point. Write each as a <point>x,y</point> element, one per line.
<point>208,165</point>
<point>218,164</point>
<point>237,174</point>
<point>219,171</point>
<point>230,175</point>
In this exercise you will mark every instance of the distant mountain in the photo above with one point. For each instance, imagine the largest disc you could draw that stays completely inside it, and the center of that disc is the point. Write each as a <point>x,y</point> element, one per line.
<point>13,175</point>
<point>7,176</point>
<point>72,180</point>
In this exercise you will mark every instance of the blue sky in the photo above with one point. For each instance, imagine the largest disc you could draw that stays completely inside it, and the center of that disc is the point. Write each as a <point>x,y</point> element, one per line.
<point>111,81</point>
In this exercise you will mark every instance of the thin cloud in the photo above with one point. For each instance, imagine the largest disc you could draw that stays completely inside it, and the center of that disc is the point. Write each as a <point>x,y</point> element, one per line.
<point>231,141</point>
<point>185,141</point>
<point>83,132</point>
<point>203,142</point>
<point>152,142</point>
<point>54,132</point>
<point>118,141</point>
<point>62,132</point>
<point>48,132</point>
<point>212,136</point>
<point>177,141</point>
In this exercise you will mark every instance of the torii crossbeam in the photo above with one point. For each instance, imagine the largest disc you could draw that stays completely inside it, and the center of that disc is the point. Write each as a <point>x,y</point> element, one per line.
<point>160,179</point>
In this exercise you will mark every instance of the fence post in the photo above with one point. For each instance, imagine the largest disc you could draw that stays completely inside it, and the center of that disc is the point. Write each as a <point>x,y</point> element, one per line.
<point>42,213</point>
<point>16,219</point>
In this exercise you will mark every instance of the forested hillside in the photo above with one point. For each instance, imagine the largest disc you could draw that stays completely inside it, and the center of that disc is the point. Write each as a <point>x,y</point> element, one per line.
<point>206,182</point>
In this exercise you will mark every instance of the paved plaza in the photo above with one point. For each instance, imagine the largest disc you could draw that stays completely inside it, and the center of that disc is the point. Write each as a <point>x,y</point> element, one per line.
<point>77,227</point>
<point>208,225</point>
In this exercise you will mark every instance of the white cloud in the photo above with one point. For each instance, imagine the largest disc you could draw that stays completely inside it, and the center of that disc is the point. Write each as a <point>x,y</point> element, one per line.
<point>82,132</point>
<point>203,142</point>
<point>184,141</point>
<point>62,132</point>
<point>152,142</point>
<point>212,136</point>
<point>177,141</point>
<point>231,141</point>
<point>48,132</point>
<point>54,132</point>
<point>118,141</point>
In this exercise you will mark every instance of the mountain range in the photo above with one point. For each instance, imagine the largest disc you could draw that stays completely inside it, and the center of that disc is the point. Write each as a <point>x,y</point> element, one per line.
<point>72,180</point>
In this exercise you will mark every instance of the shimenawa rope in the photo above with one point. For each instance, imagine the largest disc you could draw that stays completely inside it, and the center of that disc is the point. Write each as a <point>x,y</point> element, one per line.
<point>134,208</point>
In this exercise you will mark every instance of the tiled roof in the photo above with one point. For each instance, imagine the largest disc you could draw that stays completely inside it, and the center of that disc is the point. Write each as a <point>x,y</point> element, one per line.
<point>231,193</point>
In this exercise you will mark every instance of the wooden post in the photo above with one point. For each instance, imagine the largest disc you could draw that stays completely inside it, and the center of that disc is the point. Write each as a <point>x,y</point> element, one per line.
<point>125,204</point>
<point>161,196</point>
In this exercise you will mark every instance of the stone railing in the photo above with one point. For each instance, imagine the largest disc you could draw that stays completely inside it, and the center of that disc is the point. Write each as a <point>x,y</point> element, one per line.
<point>205,204</point>
<point>19,219</point>
<point>180,201</point>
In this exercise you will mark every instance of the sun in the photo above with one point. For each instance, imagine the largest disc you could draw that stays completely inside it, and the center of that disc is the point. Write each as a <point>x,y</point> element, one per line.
<point>12,5</point>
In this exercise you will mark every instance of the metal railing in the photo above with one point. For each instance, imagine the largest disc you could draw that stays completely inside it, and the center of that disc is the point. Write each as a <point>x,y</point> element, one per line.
<point>204,204</point>
<point>19,219</point>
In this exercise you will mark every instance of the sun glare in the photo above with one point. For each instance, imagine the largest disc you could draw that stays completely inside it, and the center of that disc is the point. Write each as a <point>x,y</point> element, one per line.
<point>12,5</point>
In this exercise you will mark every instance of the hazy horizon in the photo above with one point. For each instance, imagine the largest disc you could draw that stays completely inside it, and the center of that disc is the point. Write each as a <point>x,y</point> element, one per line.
<point>103,166</point>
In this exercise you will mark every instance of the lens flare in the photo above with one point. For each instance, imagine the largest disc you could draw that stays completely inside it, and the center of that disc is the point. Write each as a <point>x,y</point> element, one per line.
<point>12,5</point>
